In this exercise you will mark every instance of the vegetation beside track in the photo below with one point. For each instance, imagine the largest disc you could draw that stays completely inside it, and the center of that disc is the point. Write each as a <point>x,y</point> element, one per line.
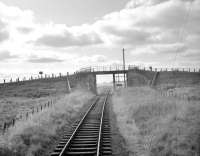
<point>154,125</point>
<point>37,135</point>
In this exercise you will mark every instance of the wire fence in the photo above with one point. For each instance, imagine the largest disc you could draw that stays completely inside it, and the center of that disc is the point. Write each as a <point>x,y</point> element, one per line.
<point>183,96</point>
<point>31,78</point>
<point>23,117</point>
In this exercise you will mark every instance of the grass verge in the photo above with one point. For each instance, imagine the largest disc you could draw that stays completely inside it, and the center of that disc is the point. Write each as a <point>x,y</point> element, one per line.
<point>153,125</point>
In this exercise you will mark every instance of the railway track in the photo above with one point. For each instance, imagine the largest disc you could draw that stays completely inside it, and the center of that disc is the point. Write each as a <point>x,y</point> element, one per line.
<point>91,136</point>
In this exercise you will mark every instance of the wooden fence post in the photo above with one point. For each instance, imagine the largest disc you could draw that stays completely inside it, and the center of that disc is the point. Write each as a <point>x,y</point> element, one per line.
<point>26,115</point>
<point>4,127</point>
<point>13,122</point>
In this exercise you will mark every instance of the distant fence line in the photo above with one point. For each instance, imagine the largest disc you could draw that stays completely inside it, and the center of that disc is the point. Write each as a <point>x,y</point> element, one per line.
<point>33,78</point>
<point>134,67</point>
<point>165,69</point>
<point>183,96</point>
<point>25,116</point>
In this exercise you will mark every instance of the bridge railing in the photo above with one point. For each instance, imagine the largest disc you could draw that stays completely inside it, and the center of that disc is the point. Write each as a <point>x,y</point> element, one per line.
<point>134,67</point>
<point>103,68</point>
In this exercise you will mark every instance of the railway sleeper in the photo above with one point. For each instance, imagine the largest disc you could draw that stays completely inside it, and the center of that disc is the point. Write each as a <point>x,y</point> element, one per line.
<point>82,148</point>
<point>89,153</point>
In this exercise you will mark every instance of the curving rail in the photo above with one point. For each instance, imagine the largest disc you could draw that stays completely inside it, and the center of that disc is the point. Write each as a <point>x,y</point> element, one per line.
<point>91,136</point>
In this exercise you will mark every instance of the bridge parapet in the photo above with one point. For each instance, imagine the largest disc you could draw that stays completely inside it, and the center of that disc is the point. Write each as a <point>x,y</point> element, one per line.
<point>133,67</point>
<point>103,68</point>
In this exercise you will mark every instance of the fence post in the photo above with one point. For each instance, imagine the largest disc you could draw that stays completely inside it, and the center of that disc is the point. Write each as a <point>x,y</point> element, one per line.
<point>13,122</point>
<point>26,115</point>
<point>4,127</point>
<point>41,107</point>
<point>33,111</point>
<point>4,81</point>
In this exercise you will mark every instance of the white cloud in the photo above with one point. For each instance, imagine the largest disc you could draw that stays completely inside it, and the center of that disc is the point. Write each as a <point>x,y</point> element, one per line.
<point>68,39</point>
<point>36,59</point>
<point>6,55</point>
<point>154,28</point>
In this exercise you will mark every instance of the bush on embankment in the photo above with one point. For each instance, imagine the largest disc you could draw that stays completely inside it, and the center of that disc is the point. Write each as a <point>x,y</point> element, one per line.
<point>37,135</point>
<point>153,125</point>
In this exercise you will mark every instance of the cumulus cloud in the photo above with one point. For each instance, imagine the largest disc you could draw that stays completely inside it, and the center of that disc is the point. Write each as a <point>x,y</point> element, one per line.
<point>151,28</point>
<point>36,59</point>
<point>136,3</point>
<point>24,30</point>
<point>6,55</point>
<point>68,39</point>
<point>2,24</point>
<point>4,35</point>
<point>129,36</point>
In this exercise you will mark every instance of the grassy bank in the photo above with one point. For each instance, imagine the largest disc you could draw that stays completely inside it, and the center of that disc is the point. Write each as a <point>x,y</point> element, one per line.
<point>35,136</point>
<point>153,125</point>
<point>16,99</point>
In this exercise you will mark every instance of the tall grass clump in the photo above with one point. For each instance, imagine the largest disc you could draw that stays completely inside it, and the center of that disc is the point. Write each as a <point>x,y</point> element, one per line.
<point>37,135</point>
<point>153,125</point>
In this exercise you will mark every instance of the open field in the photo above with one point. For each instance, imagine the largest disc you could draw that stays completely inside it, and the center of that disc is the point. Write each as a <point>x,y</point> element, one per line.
<point>153,125</point>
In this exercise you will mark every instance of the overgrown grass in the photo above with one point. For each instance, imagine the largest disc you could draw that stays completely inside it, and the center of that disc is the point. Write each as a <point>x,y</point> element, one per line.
<point>157,126</point>
<point>19,98</point>
<point>35,136</point>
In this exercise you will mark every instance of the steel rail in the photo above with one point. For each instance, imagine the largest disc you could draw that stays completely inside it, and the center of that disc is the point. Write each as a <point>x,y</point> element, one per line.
<point>76,129</point>
<point>101,123</point>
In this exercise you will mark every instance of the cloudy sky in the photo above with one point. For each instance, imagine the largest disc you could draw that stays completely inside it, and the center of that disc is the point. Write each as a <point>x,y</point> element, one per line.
<point>64,35</point>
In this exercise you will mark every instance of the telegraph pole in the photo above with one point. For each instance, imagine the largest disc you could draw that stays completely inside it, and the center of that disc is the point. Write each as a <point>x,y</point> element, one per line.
<point>124,67</point>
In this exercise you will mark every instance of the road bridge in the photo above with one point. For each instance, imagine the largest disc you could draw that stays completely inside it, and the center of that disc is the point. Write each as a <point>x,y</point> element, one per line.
<point>103,70</point>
